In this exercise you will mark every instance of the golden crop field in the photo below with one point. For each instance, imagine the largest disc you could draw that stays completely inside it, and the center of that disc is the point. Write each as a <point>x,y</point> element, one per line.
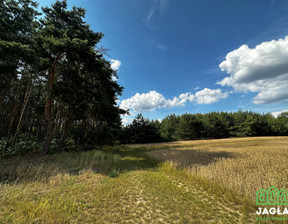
<point>242,164</point>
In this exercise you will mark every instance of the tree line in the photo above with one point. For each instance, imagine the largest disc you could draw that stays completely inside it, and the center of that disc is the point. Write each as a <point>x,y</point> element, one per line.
<point>205,126</point>
<point>56,88</point>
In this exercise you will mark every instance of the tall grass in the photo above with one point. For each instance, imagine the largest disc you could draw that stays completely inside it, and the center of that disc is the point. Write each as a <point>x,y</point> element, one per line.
<point>245,165</point>
<point>42,168</point>
<point>71,187</point>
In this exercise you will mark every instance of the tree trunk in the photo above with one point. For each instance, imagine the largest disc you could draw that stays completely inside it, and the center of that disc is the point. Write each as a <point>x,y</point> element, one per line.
<point>39,128</point>
<point>64,136</point>
<point>48,105</point>
<point>15,108</point>
<point>3,121</point>
<point>26,99</point>
<point>2,98</point>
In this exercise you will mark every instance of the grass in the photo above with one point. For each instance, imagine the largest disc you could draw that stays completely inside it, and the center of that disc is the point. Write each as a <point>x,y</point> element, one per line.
<point>42,168</point>
<point>129,184</point>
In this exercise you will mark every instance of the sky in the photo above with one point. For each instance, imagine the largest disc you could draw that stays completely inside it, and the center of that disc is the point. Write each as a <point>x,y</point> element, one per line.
<point>191,56</point>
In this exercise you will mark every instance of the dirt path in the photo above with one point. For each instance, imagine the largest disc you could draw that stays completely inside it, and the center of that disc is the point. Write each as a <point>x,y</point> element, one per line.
<point>158,197</point>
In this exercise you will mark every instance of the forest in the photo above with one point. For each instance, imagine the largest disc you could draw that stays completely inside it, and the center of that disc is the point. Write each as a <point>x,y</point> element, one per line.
<point>213,125</point>
<point>58,92</point>
<point>56,87</point>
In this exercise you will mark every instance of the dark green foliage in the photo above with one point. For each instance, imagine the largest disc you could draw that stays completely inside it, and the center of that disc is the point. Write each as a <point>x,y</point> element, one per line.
<point>279,126</point>
<point>141,131</point>
<point>205,126</point>
<point>189,127</point>
<point>17,26</point>
<point>55,85</point>
<point>216,125</point>
<point>168,128</point>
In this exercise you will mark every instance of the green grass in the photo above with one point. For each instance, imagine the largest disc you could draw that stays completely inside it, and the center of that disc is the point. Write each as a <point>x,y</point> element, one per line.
<point>117,185</point>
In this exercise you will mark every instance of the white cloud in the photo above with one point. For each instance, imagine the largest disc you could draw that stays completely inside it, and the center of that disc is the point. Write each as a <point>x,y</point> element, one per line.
<point>263,69</point>
<point>277,113</point>
<point>144,102</point>
<point>208,96</point>
<point>126,120</point>
<point>156,11</point>
<point>162,47</point>
<point>115,64</point>
<point>153,100</point>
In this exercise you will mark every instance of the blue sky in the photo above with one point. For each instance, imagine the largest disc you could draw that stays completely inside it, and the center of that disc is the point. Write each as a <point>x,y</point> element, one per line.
<point>178,56</point>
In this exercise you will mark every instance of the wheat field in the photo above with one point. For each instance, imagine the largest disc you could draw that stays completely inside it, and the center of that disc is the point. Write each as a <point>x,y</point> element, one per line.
<point>242,164</point>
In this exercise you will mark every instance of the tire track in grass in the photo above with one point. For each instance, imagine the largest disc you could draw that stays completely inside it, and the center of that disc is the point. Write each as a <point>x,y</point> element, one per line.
<point>181,204</point>
<point>229,209</point>
<point>137,201</point>
<point>142,196</point>
<point>157,197</point>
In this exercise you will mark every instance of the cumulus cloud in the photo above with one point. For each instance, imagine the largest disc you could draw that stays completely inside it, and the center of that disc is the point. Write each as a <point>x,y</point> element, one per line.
<point>208,96</point>
<point>153,100</point>
<point>277,113</point>
<point>115,64</point>
<point>144,102</point>
<point>126,120</point>
<point>263,70</point>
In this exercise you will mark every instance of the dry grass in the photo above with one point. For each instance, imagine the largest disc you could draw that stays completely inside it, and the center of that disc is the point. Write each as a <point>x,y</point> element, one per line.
<point>27,169</point>
<point>122,186</point>
<point>245,164</point>
<point>165,195</point>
